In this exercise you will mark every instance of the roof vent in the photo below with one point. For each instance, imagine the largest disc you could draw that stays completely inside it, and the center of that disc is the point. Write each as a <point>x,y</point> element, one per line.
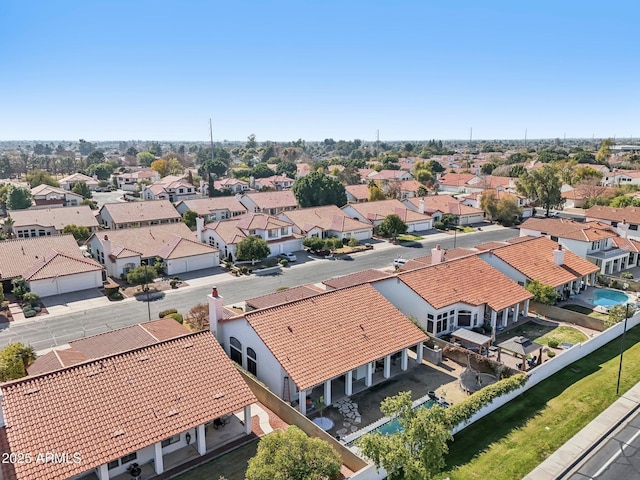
<point>289,328</point>
<point>218,396</point>
<point>172,413</point>
<point>188,345</point>
<point>142,358</point>
<point>31,391</point>
<point>117,433</point>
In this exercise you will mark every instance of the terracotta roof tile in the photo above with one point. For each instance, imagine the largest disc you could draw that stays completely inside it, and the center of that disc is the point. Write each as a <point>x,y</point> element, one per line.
<point>380,209</point>
<point>357,278</point>
<point>113,406</point>
<point>57,218</point>
<point>359,192</point>
<point>628,214</point>
<point>446,204</point>
<point>56,264</point>
<point>566,228</point>
<point>78,177</point>
<point>233,230</point>
<point>321,337</point>
<point>469,280</point>
<point>534,259</point>
<point>283,296</point>
<point>130,212</point>
<point>204,206</point>
<point>281,199</point>
<point>328,217</point>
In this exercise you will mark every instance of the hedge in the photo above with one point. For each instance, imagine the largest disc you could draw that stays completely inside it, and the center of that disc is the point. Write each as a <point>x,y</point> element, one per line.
<point>176,316</point>
<point>164,313</point>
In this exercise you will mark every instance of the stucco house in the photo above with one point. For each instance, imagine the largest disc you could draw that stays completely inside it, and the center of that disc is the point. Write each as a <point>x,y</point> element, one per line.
<point>40,222</point>
<point>616,216</point>
<point>152,404</point>
<point>122,250</point>
<point>47,195</point>
<point>50,265</point>
<point>131,181</point>
<point>375,212</point>
<point>271,203</point>
<point>327,221</point>
<point>438,205</point>
<point>137,214</point>
<point>357,193</point>
<point>172,187</point>
<point>67,183</point>
<point>312,344</point>
<point>226,234</point>
<point>212,209</point>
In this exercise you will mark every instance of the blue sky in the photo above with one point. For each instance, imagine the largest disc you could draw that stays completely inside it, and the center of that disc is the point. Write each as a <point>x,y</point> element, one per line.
<point>283,70</point>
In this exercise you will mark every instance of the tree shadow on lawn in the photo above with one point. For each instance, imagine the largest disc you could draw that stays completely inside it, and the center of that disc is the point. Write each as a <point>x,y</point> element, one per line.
<point>478,437</point>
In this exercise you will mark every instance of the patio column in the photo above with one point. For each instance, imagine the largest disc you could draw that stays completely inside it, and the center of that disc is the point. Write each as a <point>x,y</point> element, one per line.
<point>404,363</point>
<point>494,318</point>
<point>368,381</point>
<point>348,383</point>
<point>387,366</point>
<point>247,416</point>
<point>202,440</point>
<point>505,317</point>
<point>420,353</point>
<point>516,312</point>
<point>103,472</point>
<point>327,393</point>
<point>302,401</point>
<point>526,308</point>
<point>158,461</point>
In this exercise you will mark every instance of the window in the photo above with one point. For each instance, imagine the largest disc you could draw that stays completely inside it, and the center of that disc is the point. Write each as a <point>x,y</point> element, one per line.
<point>252,361</point>
<point>114,464</point>
<point>284,231</point>
<point>464,318</point>
<point>41,232</point>
<point>128,458</point>
<point>168,441</point>
<point>235,350</point>
<point>273,233</point>
<point>554,238</point>
<point>181,190</point>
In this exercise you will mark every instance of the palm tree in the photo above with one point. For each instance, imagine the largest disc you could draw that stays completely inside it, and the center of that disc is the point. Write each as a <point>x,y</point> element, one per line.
<point>7,226</point>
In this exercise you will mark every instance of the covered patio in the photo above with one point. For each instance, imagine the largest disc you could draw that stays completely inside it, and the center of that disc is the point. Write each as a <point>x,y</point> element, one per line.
<point>478,341</point>
<point>521,347</point>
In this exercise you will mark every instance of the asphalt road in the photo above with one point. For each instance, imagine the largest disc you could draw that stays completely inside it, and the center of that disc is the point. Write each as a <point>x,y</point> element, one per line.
<point>57,330</point>
<point>618,458</point>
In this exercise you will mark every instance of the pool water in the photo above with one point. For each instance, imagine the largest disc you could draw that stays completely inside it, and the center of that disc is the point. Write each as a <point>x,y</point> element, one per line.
<point>609,298</point>
<point>394,426</point>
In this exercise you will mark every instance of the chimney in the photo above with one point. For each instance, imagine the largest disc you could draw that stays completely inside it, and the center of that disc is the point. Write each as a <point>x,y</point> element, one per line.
<point>215,310</point>
<point>623,229</point>
<point>106,246</point>
<point>437,255</point>
<point>252,182</point>
<point>558,256</point>
<point>200,228</point>
<point>421,206</point>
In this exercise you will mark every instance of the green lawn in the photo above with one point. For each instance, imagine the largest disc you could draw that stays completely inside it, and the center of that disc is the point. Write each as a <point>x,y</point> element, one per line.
<point>543,333</point>
<point>466,229</point>
<point>586,311</point>
<point>514,439</point>
<point>232,466</point>
<point>405,237</point>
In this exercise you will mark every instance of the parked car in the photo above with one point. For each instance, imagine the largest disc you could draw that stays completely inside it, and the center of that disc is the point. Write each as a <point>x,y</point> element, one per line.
<point>399,262</point>
<point>288,256</point>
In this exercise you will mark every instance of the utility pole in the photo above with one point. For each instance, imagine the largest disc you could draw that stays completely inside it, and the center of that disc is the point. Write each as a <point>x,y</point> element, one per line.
<point>211,138</point>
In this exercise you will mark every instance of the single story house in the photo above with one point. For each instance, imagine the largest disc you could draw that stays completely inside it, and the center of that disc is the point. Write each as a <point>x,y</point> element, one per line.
<point>40,222</point>
<point>50,265</point>
<point>357,193</point>
<point>212,209</point>
<point>327,221</point>
<point>312,343</point>
<point>101,416</point>
<point>47,195</point>
<point>271,203</point>
<point>130,181</point>
<point>375,212</point>
<point>137,214</point>
<point>67,183</point>
<point>226,234</point>
<point>438,205</point>
<point>122,250</point>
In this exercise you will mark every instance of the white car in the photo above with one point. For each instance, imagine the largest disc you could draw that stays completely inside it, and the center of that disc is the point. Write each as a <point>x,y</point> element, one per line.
<point>291,257</point>
<point>399,262</point>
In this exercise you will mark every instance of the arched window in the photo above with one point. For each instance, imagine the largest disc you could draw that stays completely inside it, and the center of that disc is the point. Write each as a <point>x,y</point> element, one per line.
<point>235,350</point>
<point>252,361</point>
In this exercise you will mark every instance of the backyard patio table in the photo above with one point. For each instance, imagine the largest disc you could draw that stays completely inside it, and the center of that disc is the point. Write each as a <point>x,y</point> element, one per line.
<point>324,423</point>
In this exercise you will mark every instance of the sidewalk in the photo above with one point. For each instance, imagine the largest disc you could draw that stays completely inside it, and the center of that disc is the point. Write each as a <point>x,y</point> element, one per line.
<point>583,443</point>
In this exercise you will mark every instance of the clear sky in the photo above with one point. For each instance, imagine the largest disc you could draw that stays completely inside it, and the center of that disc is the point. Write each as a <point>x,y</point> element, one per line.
<point>283,70</point>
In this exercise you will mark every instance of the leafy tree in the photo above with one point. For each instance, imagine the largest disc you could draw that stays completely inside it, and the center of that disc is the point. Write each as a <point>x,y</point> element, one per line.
<point>20,287</point>
<point>14,360</point>
<point>293,455</point>
<point>314,243</point>
<point>422,172</point>
<point>189,218</point>
<point>93,205</point>
<point>217,167</point>
<point>97,156</point>
<point>81,188</point>
<point>155,148</point>
<point>617,314</point>
<point>516,171</point>
<point>488,167</point>
<point>252,248</point>
<point>542,186</point>
<point>79,232</point>
<point>417,451</point>
<point>489,203</point>
<point>40,177</point>
<point>422,191</point>
<point>392,226</point>
<point>287,168</point>
<point>251,141</point>
<point>585,157</point>
<point>435,167</point>
<point>542,293</point>
<point>605,150</point>
<point>132,151</point>
<point>145,158</point>
<point>317,189</point>
<point>18,198</point>
<point>507,211</point>
<point>1,294</point>
<point>101,170</point>
<point>85,147</point>
<point>375,192</point>
<point>141,275</point>
<point>262,170</point>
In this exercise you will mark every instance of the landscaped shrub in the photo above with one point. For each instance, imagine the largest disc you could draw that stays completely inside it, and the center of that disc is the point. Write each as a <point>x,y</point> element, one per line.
<point>353,242</point>
<point>551,354</point>
<point>553,343</point>
<point>439,226</point>
<point>116,296</point>
<point>29,313</point>
<point>613,283</point>
<point>168,311</point>
<point>627,275</point>
<point>110,291</point>
<point>174,283</point>
<point>176,316</point>
<point>284,262</point>
<point>464,410</point>
<point>244,270</point>
<point>30,298</point>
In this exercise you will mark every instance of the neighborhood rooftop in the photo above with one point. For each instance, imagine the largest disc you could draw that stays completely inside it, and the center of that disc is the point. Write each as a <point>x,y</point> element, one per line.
<point>130,212</point>
<point>57,218</point>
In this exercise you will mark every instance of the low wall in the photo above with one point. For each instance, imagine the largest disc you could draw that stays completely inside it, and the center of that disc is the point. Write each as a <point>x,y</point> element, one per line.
<point>569,316</point>
<point>552,366</point>
<point>293,417</point>
<point>432,355</point>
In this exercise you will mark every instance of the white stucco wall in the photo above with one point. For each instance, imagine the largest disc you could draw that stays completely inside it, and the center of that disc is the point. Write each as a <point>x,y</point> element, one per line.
<point>503,267</point>
<point>195,262</point>
<point>66,284</point>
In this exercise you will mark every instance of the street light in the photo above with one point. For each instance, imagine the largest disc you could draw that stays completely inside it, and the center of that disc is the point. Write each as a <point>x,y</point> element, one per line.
<point>624,331</point>
<point>146,287</point>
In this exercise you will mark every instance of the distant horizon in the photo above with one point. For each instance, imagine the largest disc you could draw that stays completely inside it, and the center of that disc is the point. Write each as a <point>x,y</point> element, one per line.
<point>285,70</point>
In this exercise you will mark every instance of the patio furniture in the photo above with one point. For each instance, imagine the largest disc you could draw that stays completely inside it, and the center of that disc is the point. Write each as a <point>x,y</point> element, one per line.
<point>432,395</point>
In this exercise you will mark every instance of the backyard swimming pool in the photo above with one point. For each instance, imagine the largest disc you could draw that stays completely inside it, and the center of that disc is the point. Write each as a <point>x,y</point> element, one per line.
<point>394,426</point>
<point>609,298</point>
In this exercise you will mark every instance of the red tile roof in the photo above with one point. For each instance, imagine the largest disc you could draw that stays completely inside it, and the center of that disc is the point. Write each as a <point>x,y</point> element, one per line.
<point>446,204</point>
<point>464,280</point>
<point>107,408</point>
<point>283,296</point>
<point>131,212</point>
<point>204,206</point>
<point>266,200</point>
<point>359,192</point>
<point>322,337</point>
<point>328,217</point>
<point>534,259</point>
<point>566,228</point>
<point>357,278</point>
<point>55,264</point>
<point>379,210</point>
<point>628,214</point>
<point>57,218</point>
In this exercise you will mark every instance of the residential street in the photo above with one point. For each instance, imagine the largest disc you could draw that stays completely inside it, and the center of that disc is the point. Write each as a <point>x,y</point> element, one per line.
<point>50,331</point>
